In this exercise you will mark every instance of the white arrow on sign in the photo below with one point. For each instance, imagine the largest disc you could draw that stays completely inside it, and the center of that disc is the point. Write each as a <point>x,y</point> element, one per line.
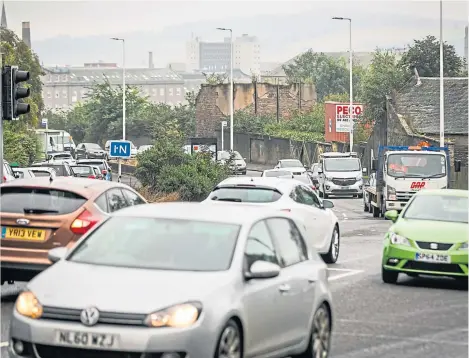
<point>224,123</point>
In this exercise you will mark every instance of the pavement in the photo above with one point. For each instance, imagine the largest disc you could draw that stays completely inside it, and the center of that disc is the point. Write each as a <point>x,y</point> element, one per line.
<point>419,318</point>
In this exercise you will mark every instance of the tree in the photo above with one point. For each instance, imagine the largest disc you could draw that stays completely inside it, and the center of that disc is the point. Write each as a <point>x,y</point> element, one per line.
<point>329,75</point>
<point>424,55</point>
<point>383,76</point>
<point>215,78</point>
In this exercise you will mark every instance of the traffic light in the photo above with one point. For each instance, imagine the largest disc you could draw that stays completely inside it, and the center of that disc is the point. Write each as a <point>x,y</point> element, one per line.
<point>13,92</point>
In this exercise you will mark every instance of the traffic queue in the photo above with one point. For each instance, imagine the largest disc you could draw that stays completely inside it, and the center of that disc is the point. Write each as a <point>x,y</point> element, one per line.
<point>244,273</point>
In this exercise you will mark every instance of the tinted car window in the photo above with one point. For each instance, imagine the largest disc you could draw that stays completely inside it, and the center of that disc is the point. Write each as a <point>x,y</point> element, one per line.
<point>116,200</point>
<point>101,202</point>
<point>132,198</point>
<point>166,244</point>
<point>39,173</point>
<point>38,201</point>
<point>291,247</point>
<point>259,246</point>
<point>247,195</point>
<point>307,197</point>
<point>59,169</point>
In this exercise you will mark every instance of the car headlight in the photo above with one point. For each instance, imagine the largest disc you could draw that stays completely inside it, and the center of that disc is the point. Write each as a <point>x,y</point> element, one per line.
<point>391,193</point>
<point>463,246</point>
<point>179,316</point>
<point>398,239</point>
<point>28,305</point>
<point>328,178</point>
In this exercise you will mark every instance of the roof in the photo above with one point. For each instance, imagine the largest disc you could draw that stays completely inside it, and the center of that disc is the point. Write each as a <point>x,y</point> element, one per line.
<point>419,104</point>
<point>81,186</point>
<point>82,75</point>
<point>444,192</point>
<point>221,212</point>
<point>280,184</point>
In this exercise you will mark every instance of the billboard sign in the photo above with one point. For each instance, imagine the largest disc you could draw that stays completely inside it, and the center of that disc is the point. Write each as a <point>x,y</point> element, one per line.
<point>342,116</point>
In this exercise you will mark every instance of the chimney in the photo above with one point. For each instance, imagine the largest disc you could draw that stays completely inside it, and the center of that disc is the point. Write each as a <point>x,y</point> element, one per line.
<point>466,40</point>
<point>26,35</point>
<point>150,60</point>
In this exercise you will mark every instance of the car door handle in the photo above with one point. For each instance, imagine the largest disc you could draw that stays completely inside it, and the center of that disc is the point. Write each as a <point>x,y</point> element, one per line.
<point>311,280</point>
<point>284,288</point>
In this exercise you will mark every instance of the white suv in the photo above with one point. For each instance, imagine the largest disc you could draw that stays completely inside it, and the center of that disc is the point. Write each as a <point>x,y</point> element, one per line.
<point>8,174</point>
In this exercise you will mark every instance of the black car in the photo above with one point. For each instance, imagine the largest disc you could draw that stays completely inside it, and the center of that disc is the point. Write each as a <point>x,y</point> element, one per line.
<point>101,163</point>
<point>90,151</point>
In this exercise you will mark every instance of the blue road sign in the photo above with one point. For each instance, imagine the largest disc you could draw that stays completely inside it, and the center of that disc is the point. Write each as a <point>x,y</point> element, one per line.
<point>119,149</point>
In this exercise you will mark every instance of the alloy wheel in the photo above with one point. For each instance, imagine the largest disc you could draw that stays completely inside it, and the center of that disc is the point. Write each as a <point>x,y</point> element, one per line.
<point>230,343</point>
<point>335,244</point>
<point>321,333</point>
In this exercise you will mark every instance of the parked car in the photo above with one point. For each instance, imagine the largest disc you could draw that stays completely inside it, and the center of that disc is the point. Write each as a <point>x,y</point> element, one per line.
<point>7,172</point>
<point>239,164</point>
<point>89,151</point>
<point>103,165</point>
<point>39,214</point>
<point>215,265</point>
<point>314,174</point>
<point>292,165</point>
<point>23,173</point>
<point>290,195</point>
<point>62,168</point>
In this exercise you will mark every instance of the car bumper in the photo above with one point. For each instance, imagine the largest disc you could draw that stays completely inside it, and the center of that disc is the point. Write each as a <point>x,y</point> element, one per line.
<point>402,259</point>
<point>40,335</point>
<point>395,205</point>
<point>333,189</point>
<point>96,156</point>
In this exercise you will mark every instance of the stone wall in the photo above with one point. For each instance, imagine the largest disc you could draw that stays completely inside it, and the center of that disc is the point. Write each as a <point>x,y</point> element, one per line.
<point>213,105</point>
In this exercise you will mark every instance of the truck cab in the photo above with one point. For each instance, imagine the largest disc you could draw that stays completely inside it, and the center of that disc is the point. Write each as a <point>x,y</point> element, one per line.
<point>340,174</point>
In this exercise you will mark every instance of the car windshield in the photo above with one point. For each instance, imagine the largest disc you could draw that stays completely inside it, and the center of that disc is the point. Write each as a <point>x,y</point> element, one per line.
<point>438,208</point>
<point>291,164</point>
<point>246,195</point>
<point>39,201</point>
<point>161,244</point>
<point>342,164</point>
<point>416,165</point>
<point>277,173</point>
<point>93,146</point>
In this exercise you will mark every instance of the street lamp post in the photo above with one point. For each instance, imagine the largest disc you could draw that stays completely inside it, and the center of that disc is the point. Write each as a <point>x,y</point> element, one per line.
<point>231,83</point>
<point>442,91</point>
<point>351,77</point>
<point>119,173</point>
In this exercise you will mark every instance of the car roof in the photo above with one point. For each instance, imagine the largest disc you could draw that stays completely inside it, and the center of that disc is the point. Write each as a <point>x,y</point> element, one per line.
<point>221,212</point>
<point>39,168</point>
<point>281,184</point>
<point>82,186</point>
<point>288,160</point>
<point>60,153</point>
<point>444,192</point>
<point>90,161</point>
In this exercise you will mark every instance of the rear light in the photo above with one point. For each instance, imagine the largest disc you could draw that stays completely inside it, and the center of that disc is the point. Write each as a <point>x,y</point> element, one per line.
<point>92,177</point>
<point>83,223</point>
<point>287,210</point>
<point>4,178</point>
<point>313,187</point>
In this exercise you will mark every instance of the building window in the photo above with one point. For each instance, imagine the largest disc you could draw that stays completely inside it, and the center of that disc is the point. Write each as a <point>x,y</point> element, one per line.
<point>57,94</point>
<point>161,91</point>
<point>57,78</point>
<point>178,91</point>
<point>64,94</point>
<point>154,92</point>
<point>170,92</point>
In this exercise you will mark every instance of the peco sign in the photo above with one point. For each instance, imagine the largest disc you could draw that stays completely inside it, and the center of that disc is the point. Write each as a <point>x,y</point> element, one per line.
<point>343,112</point>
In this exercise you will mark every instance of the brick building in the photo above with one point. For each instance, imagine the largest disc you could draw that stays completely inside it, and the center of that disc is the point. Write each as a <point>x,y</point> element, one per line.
<point>213,105</point>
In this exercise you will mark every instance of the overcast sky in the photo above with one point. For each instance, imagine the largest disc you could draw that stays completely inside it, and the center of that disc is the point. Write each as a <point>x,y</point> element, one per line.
<point>375,22</point>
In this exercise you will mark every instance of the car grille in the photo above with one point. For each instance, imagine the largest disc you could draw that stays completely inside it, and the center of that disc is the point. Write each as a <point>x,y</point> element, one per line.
<point>426,266</point>
<point>45,351</point>
<point>404,195</point>
<point>67,314</point>
<point>426,246</point>
<point>344,181</point>
<point>296,173</point>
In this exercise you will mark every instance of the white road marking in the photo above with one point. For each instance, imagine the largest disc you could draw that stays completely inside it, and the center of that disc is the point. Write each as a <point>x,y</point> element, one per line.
<point>3,344</point>
<point>345,274</point>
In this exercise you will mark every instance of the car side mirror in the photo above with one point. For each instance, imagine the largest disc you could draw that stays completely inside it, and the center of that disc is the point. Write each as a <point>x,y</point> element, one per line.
<point>391,215</point>
<point>262,270</point>
<point>457,166</point>
<point>327,204</point>
<point>57,254</point>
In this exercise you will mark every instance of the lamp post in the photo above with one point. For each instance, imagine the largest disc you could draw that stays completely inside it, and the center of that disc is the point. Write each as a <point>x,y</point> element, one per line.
<point>442,91</point>
<point>123,101</point>
<point>231,83</point>
<point>351,76</point>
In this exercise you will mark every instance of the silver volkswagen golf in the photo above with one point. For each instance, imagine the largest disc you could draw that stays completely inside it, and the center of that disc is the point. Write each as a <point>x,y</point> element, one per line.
<point>179,280</point>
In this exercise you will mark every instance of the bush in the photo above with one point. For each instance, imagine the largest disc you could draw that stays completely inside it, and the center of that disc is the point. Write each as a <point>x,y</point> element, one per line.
<point>20,145</point>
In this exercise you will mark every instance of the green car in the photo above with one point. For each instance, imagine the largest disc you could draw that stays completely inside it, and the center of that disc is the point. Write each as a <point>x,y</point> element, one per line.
<point>428,237</point>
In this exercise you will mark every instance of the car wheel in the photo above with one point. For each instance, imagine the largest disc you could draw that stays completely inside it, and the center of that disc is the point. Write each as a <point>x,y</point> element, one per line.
<point>230,342</point>
<point>389,276</point>
<point>333,253</point>
<point>365,207</point>
<point>320,339</point>
<point>375,212</point>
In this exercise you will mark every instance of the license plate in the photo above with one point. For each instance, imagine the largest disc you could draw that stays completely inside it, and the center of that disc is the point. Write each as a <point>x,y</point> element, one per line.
<point>434,258</point>
<point>22,233</point>
<point>345,188</point>
<point>86,339</point>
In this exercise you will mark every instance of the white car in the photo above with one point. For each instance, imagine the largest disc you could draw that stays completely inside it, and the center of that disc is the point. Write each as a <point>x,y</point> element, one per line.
<point>7,172</point>
<point>23,173</point>
<point>239,165</point>
<point>292,165</point>
<point>277,173</point>
<point>320,223</point>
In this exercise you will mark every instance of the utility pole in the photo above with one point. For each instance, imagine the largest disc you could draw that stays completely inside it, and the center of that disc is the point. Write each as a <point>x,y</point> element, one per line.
<point>442,86</point>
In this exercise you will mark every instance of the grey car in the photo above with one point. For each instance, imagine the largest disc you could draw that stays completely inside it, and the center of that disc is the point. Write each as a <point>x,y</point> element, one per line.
<point>180,280</point>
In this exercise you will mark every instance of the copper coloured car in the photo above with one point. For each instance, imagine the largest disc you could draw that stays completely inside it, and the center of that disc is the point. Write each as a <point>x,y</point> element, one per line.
<point>42,213</point>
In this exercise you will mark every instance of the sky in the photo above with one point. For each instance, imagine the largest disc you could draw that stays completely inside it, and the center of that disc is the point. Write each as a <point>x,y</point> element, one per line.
<point>296,25</point>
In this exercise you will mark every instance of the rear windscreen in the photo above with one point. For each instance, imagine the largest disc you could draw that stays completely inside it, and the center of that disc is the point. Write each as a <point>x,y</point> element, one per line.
<point>41,174</point>
<point>100,165</point>
<point>39,201</point>
<point>82,170</point>
<point>59,169</point>
<point>277,174</point>
<point>246,195</point>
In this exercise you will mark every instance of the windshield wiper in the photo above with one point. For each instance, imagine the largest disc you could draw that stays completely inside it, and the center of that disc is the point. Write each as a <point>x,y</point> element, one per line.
<point>436,175</point>
<point>235,200</point>
<point>39,211</point>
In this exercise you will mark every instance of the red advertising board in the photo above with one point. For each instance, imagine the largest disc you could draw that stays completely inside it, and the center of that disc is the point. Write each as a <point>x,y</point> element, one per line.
<point>337,120</point>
